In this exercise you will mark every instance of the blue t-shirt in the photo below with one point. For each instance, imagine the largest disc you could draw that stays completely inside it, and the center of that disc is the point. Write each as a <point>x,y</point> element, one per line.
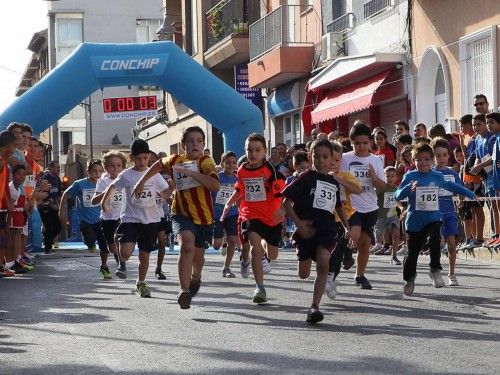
<point>221,197</point>
<point>496,162</point>
<point>446,205</point>
<point>83,190</point>
<point>484,148</point>
<point>423,204</point>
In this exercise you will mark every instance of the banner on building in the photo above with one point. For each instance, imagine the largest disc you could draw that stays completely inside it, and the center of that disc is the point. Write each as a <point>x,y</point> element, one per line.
<point>241,85</point>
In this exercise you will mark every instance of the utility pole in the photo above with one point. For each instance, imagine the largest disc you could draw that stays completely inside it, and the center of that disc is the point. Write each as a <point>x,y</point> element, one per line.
<point>88,112</point>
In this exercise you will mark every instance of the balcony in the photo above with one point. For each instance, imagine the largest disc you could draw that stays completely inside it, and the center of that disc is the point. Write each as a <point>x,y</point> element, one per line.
<point>282,46</point>
<point>374,7</point>
<point>341,24</point>
<point>226,34</point>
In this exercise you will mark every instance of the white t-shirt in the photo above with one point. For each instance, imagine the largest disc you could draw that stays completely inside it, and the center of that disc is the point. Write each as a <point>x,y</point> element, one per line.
<point>142,208</point>
<point>117,201</point>
<point>359,167</point>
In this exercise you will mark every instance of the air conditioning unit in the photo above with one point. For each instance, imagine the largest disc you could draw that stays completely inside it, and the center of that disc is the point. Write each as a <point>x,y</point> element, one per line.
<point>332,46</point>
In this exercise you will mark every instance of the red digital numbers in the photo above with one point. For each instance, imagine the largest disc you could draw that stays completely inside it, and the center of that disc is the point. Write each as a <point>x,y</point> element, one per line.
<point>130,104</point>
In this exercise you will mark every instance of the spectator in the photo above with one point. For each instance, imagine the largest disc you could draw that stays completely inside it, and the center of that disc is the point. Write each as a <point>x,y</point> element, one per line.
<point>481,104</point>
<point>420,131</point>
<point>275,157</point>
<point>383,151</point>
<point>206,152</point>
<point>439,131</point>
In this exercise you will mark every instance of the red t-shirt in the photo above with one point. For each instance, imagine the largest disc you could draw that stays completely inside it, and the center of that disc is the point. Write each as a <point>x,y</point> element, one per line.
<point>388,155</point>
<point>260,190</point>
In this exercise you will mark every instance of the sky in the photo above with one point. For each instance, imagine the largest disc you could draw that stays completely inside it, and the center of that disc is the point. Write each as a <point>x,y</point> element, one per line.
<point>19,20</point>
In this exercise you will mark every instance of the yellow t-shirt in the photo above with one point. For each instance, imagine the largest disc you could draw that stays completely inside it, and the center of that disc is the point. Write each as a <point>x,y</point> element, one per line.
<point>345,196</point>
<point>191,199</point>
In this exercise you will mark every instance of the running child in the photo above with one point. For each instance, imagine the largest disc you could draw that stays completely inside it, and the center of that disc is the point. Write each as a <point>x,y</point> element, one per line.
<point>139,217</point>
<point>368,169</point>
<point>423,218</point>
<point>195,178</point>
<point>229,226</point>
<point>259,188</point>
<point>114,163</point>
<point>310,202</point>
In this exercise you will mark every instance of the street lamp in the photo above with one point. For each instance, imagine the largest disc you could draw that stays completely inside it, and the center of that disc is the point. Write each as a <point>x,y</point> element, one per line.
<point>165,30</point>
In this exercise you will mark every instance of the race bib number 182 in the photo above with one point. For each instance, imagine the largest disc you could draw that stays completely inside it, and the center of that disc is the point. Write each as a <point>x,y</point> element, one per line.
<point>427,199</point>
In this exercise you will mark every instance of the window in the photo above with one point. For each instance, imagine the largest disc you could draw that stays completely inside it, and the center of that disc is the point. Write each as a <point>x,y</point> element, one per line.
<point>306,5</point>
<point>440,98</point>
<point>292,130</point>
<point>69,35</point>
<point>66,140</point>
<point>478,67</point>
<point>146,30</point>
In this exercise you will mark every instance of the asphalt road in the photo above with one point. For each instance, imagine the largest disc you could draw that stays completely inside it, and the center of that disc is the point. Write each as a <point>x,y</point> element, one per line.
<point>63,319</point>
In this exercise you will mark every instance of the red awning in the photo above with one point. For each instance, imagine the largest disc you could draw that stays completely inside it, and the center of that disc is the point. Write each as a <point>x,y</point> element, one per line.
<point>354,98</point>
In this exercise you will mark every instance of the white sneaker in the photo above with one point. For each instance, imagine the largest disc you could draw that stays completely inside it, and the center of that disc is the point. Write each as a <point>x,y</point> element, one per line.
<point>376,247</point>
<point>452,280</point>
<point>245,269</point>
<point>403,250</point>
<point>266,266</point>
<point>437,279</point>
<point>331,289</point>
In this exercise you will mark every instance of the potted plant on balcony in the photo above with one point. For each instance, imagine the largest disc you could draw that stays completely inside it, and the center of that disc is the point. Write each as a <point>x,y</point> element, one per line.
<point>216,26</point>
<point>240,26</point>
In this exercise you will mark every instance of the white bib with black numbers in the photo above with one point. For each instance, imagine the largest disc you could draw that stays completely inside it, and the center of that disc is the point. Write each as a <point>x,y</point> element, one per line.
<point>144,199</point>
<point>183,182</point>
<point>389,201</point>
<point>427,199</point>
<point>224,193</point>
<point>87,195</point>
<point>362,173</point>
<point>30,181</point>
<point>325,196</point>
<point>117,200</point>
<point>255,190</point>
<point>444,192</point>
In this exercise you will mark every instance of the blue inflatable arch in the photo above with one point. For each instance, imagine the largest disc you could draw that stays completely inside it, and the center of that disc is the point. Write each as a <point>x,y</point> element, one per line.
<point>94,66</point>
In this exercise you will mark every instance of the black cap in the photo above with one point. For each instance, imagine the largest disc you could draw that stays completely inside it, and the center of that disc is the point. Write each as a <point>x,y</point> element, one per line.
<point>139,146</point>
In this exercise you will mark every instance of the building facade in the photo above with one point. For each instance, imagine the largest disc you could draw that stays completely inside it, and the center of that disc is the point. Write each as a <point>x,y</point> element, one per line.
<point>71,22</point>
<point>453,61</point>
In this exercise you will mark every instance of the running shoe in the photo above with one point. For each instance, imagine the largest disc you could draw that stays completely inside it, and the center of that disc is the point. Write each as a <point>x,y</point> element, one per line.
<point>159,274</point>
<point>5,272</point>
<point>408,287</point>
<point>380,251</point>
<point>259,295</point>
<point>376,247</point>
<point>194,286</point>
<point>18,269</point>
<point>473,244</point>
<point>28,266</point>
<point>403,250</point>
<point>395,261</point>
<point>452,280</point>
<point>331,288</point>
<point>314,315</point>
<point>184,299</point>
<point>463,246</point>
<point>363,282</point>
<point>245,269</point>
<point>121,273</point>
<point>495,243</point>
<point>143,290</point>
<point>437,279</point>
<point>348,263</point>
<point>226,272</point>
<point>92,249</point>
<point>266,265</point>
<point>387,251</point>
<point>106,273</point>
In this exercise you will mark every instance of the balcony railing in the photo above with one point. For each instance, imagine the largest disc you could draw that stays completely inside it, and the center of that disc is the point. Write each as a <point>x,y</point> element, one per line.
<point>374,7</point>
<point>230,17</point>
<point>341,24</point>
<point>285,26</point>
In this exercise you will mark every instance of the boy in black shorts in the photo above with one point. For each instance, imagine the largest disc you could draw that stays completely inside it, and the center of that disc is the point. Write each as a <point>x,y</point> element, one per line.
<point>310,202</point>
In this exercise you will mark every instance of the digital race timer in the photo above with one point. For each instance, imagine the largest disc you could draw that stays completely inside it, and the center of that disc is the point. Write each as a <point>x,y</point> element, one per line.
<point>130,104</point>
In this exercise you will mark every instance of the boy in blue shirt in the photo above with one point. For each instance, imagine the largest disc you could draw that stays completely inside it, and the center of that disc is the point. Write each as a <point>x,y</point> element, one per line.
<point>449,230</point>
<point>493,123</point>
<point>423,218</point>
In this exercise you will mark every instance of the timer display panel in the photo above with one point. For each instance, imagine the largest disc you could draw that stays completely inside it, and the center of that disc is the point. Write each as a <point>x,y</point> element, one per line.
<point>130,104</point>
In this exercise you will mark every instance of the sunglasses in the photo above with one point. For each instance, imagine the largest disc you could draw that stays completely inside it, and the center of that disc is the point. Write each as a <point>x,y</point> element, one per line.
<point>480,103</point>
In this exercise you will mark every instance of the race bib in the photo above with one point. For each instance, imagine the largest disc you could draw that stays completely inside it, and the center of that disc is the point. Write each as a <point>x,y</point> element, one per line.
<point>362,173</point>
<point>427,199</point>
<point>389,201</point>
<point>144,199</point>
<point>444,192</point>
<point>224,194</point>
<point>489,168</point>
<point>117,200</point>
<point>254,189</point>
<point>87,195</point>
<point>30,181</point>
<point>183,182</point>
<point>325,197</point>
